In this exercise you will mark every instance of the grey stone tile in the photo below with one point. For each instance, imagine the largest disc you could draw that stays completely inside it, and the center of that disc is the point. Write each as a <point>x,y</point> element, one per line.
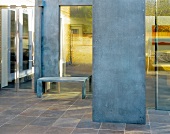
<point>13,111</point>
<point>59,107</point>
<point>66,122</point>
<point>10,128</point>
<point>22,105</point>
<point>85,131</point>
<point>40,106</point>
<point>59,130</point>
<point>113,126</point>
<point>21,120</point>
<point>159,118</point>
<point>4,119</point>
<point>74,114</point>
<point>87,116</point>
<point>157,112</point>
<point>52,113</point>
<point>137,127</point>
<point>33,130</point>
<point>136,132</point>
<point>32,112</point>
<point>43,121</point>
<point>160,128</point>
<point>110,132</point>
<point>66,102</point>
<point>88,124</point>
<point>3,108</point>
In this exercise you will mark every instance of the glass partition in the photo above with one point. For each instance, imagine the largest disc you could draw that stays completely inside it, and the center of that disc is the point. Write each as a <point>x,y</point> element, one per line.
<point>162,43</point>
<point>8,47</point>
<point>158,54</point>
<point>16,48</point>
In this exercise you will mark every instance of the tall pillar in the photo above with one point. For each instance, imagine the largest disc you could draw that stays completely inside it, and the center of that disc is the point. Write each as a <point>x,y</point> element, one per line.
<point>38,41</point>
<point>119,61</point>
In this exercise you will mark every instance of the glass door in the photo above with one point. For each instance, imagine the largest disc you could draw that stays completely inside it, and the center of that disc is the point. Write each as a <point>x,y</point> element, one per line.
<point>25,48</point>
<point>16,48</point>
<point>162,59</point>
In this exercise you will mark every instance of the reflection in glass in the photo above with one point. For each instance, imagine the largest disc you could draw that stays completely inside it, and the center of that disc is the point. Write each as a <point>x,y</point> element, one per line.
<point>12,41</point>
<point>25,42</point>
<point>76,40</point>
<point>8,50</point>
<point>158,54</point>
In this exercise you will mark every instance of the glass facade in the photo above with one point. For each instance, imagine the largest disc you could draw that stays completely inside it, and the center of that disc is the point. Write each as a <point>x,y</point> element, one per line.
<point>16,51</point>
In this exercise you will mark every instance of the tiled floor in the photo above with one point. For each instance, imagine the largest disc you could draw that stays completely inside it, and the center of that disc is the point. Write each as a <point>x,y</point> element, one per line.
<point>66,113</point>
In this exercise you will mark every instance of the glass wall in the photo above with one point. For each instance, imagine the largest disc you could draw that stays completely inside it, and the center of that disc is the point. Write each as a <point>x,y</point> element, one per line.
<point>16,43</point>
<point>75,40</point>
<point>158,54</point>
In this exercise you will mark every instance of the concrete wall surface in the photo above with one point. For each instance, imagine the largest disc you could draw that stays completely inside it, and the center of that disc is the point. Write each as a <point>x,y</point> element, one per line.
<point>50,38</point>
<point>119,61</point>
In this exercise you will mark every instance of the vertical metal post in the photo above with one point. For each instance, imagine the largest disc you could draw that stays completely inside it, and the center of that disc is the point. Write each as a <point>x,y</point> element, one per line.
<point>156,57</point>
<point>17,51</point>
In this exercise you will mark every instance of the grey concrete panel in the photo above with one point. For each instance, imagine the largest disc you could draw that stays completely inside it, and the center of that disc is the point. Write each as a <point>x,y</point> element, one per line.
<point>37,51</point>
<point>119,61</point>
<point>75,2</point>
<point>50,39</point>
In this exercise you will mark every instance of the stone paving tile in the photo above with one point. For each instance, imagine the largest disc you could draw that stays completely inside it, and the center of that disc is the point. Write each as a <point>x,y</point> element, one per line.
<point>110,132</point>
<point>59,130</point>
<point>10,128</point>
<point>52,113</point>
<point>59,107</point>
<point>159,118</point>
<point>73,114</point>
<point>32,112</point>
<point>87,116</point>
<point>21,120</point>
<point>85,131</point>
<point>88,124</point>
<point>33,130</point>
<point>137,127</point>
<point>136,132</point>
<point>4,119</point>
<point>66,122</point>
<point>160,128</point>
<point>157,112</point>
<point>25,112</point>
<point>13,111</point>
<point>65,102</point>
<point>113,126</point>
<point>43,121</point>
<point>22,105</point>
<point>3,108</point>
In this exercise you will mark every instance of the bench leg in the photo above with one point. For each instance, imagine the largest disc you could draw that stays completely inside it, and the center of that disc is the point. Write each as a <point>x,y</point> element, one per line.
<point>84,90</point>
<point>39,89</point>
<point>47,86</point>
<point>90,82</point>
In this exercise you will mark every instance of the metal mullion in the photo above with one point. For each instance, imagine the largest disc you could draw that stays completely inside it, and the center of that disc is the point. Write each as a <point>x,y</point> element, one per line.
<point>17,51</point>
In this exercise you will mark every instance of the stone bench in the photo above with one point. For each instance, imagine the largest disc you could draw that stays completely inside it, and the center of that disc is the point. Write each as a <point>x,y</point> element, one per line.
<point>41,89</point>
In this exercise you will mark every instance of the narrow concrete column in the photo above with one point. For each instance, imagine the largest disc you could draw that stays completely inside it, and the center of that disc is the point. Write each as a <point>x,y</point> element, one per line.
<point>51,39</point>
<point>119,61</point>
<point>37,51</point>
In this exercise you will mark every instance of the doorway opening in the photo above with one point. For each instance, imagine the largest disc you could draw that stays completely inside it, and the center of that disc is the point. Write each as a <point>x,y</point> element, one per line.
<point>75,40</point>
